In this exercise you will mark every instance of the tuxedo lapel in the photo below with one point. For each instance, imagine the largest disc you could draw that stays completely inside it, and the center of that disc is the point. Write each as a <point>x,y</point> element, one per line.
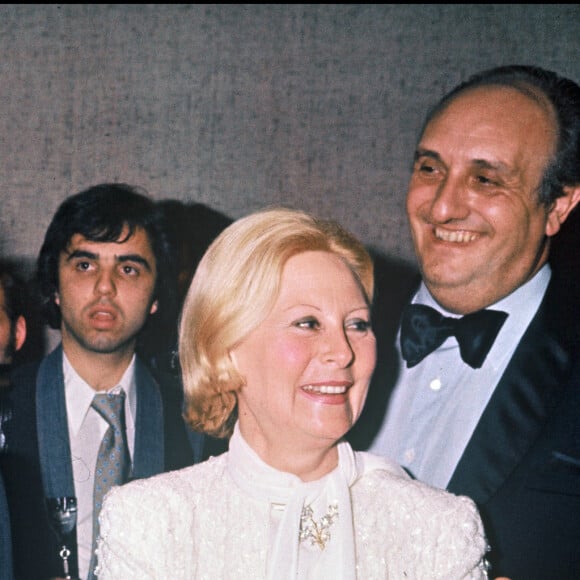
<point>527,391</point>
<point>149,458</point>
<point>52,425</point>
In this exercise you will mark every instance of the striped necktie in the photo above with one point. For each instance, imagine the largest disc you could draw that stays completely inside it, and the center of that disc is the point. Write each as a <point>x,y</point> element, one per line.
<point>113,461</point>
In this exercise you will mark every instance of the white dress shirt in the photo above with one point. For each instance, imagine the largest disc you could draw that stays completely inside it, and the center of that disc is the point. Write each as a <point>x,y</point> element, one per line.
<point>437,404</point>
<point>86,430</point>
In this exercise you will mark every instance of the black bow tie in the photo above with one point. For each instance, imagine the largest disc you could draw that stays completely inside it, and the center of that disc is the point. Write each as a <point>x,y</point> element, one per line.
<point>423,329</point>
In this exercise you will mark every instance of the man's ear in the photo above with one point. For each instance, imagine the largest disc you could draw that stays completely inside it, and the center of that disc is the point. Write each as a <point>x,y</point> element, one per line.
<point>19,332</point>
<point>561,209</point>
<point>154,307</point>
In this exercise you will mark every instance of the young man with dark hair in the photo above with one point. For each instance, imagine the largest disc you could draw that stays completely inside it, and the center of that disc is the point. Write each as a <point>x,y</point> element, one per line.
<point>90,414</point>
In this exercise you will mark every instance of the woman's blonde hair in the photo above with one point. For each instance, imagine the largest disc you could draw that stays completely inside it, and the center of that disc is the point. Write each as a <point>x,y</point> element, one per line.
<point>232,292</point>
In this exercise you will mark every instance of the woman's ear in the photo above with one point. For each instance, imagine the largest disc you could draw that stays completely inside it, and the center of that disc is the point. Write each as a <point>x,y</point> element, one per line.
<point>234,360</point>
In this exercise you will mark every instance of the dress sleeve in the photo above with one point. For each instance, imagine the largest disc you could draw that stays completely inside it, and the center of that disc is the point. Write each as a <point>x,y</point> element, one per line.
<point>133,536</point>
<point>462,541</point>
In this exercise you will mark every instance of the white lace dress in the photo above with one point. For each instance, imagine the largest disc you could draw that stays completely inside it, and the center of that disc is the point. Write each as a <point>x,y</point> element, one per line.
<point>236,518</point>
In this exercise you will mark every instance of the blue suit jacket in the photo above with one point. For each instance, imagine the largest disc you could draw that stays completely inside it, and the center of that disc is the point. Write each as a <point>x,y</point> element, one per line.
<point>38,463</point>
<point>522,463</point>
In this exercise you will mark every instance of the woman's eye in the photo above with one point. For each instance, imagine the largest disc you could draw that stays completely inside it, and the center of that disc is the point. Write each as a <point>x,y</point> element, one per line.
<point>359,325</point>
<point>307,323</point>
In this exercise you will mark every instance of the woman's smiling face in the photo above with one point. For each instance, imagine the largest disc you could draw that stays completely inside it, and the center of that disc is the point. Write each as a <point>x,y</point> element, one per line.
<point>308,365</point>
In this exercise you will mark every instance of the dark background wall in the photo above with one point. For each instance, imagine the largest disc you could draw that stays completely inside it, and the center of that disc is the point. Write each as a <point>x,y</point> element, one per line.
<point>242,106</point>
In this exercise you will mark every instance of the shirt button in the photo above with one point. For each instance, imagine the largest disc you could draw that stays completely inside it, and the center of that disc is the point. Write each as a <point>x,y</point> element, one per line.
<point>409,455</point>
<point>435,384</point>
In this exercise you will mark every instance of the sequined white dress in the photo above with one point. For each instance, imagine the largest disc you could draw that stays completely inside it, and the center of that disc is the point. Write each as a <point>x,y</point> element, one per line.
<point>234,517</point>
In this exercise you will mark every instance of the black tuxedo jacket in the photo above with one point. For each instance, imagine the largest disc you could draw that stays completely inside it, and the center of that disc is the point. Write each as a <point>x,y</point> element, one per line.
<point>161,444</point>
<point>522,464</point>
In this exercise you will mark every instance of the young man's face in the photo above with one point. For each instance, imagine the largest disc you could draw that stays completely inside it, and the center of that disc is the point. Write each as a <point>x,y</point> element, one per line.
<point>105,292</point>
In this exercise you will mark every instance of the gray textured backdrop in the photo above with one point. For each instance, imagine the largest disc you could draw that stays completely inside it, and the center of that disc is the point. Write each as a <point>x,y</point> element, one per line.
<point>242,106</point>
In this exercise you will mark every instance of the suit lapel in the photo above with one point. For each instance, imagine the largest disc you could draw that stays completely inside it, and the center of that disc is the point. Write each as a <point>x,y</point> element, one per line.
<point>52,425</point>
<point>53,439</point>
<point>149,457</point>
<point>528,389</point>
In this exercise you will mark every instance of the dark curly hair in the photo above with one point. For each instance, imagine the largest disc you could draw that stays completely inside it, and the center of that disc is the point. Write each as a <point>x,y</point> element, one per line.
<point>100,214</point>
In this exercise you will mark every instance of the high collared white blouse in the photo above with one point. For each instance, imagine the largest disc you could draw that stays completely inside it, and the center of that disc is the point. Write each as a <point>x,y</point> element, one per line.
<point>235,517</point>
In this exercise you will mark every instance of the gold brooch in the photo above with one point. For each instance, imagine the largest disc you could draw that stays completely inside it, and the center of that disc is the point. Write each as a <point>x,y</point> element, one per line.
<point>317,533</point>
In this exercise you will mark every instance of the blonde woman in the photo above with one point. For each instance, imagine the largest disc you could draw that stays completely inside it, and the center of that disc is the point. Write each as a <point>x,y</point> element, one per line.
<point>277,352</point>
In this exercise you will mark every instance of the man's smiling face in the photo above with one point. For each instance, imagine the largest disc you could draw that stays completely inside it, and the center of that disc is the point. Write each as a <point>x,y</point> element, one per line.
<point>473,203</point>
